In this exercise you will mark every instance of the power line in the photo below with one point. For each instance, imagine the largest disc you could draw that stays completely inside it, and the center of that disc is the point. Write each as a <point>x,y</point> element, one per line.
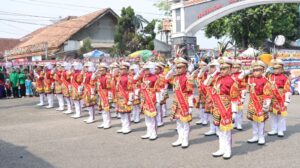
<point>15,27</point>
<point>22,14</point>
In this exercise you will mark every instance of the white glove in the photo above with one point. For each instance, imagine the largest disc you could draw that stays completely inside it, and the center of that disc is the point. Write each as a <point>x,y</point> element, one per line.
<point>93,77</point>
<point>158,97</point>
<point>243,95</point>
<point>129,103</point>
<point>287,100</point>
<point>171,73</point>
<point>202,71</point>
<point>244,73</point>
<point>266,105</point>
<point>234,107</point>
<point>130,97</point>
<point>80,89</point>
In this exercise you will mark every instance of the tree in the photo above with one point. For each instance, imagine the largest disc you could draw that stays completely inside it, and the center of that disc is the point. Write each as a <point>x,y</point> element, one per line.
<point>86,46</point>
<point>255,25</point>
<point>165,6</point>
<point>131,34</point>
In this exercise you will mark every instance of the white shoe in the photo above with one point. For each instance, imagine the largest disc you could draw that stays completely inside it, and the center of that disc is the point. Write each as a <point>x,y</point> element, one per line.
<point>49,107</point>
<point>153,137</point>
<point>40,104</point>
<point>120,130</point>
<point>177,143</point>
<point>100,126</point>
<point>280,134</point>
<point>204,123</point>
<point>68,112</point>
<point>90,121</point>
<point>253,140</point>
<point>75,116</point>
<point>199,122</point>
<point>261,141</point>
<point>145,136</point>
<point>239,127</point>
<point>227,155</point>
<point>218,153</point>
<point>210,133</point>
<point>106,126</point>
<point>185,144</point>
<point>160,125</point>
<point>126,131</point>
<point>59,109</point>
<point>272,133</point>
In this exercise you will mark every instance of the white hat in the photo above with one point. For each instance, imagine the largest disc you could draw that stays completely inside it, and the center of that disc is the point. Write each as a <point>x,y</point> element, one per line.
<point>103,65</point>
<point>160,64</point>
<point>224,62</point>
<point>114,65</point>
<point>67,65</point>
<point>77,66</point>
<point>124,65</point>
<point>49,65</point>
<point>214,63</point>
<point>180,62</point>
<point>258,64</point>
<point>277,63</point>
<point>134,67</point>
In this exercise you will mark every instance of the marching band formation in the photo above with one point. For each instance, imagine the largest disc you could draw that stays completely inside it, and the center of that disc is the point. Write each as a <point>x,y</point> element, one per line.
<point>216,91</point>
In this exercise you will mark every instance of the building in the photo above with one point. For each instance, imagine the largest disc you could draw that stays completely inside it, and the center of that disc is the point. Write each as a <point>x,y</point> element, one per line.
<point>7,44</point>
<point>63,39</point>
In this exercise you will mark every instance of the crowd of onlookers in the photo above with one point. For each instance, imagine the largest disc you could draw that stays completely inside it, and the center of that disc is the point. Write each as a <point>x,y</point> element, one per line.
<point>16,82</point>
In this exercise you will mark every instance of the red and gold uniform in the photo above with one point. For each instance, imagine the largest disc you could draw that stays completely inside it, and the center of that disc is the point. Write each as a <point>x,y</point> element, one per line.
<point>77,79</point>
<point>48,81</point>
<point>103,87</point>
<point>89,84</point>
<point>58,81</point>
<point>281,90</point>
<point>123,88</point>
<point>66,82</point>
<point>40,81</point>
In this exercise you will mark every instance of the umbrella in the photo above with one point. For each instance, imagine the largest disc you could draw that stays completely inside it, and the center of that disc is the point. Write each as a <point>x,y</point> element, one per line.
<point>266,58</point>
<point>250,52</point>
<point>94,54</point>
<point>144,54</point>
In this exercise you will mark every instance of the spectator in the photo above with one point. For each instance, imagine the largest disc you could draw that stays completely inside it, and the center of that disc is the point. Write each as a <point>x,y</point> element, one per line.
<point>28,85</point>
<point>22,77</point>
<point>2,84</point>
<point>14,80</point>
<point>8,88</point>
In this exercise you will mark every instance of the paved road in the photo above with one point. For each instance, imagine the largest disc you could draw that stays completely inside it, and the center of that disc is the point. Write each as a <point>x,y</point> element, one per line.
<point>33,137</point>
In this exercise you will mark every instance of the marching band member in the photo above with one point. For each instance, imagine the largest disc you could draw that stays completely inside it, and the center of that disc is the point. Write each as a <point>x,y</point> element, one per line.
<point>225,94</point>
<point>112,93</point>
<point>39,75</point>
<point>124,98</point>
<point>102,88</point>
<point>161,92</point>
<point>77,88</point>
<point>259,103</point>
<point>89,97</point>
<point>281,98</point>
<point>136,111</point>
<point>49,84</point>
<point>201,76</point>
<point>148,96</point>
<point>213,72</point>
<point>183,101</point>
<point>58,86</point>
<point>66,86</point>
<point>241,77</point>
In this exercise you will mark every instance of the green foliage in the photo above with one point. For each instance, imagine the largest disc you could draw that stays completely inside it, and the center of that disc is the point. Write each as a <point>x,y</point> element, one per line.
<point>86,46</point>
<point>131,35</point>
<point>164,5</point>
<point>256,24</point>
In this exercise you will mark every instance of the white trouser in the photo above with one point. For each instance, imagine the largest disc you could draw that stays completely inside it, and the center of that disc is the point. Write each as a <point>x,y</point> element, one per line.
<point>81,103</point>
<point>212,126</point>
<point>50,99</point>
<point>78,109</point>
<point>106,118</point>
<point>136,113</point>
<point>205,116</point>
<point>60,99</point>
<point>225,141</point>
<point>68,104</point>
<point>164,110</point>
<point>159,116</point>
<point>238,119</point>
<point>278,123</point>
<point>42,96</point>
<point>202,115</point>
<point>258,129</point>
<point>183,130</point>
<point>151,126</point>
<point>125,119</point>
<point>91,111</point>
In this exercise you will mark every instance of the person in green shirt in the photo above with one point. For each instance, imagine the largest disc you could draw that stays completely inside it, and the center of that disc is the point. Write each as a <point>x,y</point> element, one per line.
<point>14,79</point>
<point>22,78</point>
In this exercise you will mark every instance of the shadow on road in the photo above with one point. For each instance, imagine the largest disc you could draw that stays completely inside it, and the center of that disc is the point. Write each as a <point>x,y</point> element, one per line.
<point>17,156</point>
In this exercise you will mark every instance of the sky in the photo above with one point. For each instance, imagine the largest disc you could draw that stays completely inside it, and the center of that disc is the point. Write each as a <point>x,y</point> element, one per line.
<point>20,17</point>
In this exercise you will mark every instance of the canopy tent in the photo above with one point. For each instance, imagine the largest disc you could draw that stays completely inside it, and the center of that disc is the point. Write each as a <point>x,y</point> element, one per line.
<point>250,52</point>
<point>144,54</point>
<point>94,54</point>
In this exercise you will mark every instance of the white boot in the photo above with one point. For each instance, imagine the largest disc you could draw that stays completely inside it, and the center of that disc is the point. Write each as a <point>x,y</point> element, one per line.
<point>281,126</point>
<point>77,110</point>
<point>227,145</point>
<point>61,104</point>
<point>125,117</point>
<point>261,136</point>
<point>204,118</point>
<point>180,135</point>
<point>50,100</point>
<point>42,95</point>
<point>212,130</point>
<point>153,129</point>
<point>221,150</point>
<point>137,116</point>
<point>147,122</point>
<point>185,139</point>
<point>106,120</point>
<point>274,124</point>
<point>91,118</point>
<point>254,139</point>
